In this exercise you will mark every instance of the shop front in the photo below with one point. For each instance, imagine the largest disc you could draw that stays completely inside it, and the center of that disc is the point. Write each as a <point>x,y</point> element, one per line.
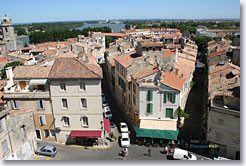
<point>85,138</point>
<point>155,137</point>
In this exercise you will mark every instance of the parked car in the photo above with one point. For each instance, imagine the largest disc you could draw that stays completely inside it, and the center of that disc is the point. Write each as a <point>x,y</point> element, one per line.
<point>125,140</point>
<point>123,127</point>
<point>180,154</point>
<point>47,150</point>
<point>107,112</point>
<point>104,101</point>
<point>112,124</point>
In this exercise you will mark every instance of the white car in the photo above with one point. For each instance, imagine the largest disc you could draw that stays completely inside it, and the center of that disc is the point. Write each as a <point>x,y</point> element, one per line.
<point>180,154</point>
<point>123,127</point>
<point>107,112</point>
<point>125,140</point>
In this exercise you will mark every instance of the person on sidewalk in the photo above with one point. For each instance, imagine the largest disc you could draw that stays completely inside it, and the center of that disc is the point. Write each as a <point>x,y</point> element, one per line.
<point>149,152</point>
<point>166,150</point>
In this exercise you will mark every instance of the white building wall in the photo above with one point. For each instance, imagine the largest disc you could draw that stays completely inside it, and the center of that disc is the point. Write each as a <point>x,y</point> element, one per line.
<point>94,111</point>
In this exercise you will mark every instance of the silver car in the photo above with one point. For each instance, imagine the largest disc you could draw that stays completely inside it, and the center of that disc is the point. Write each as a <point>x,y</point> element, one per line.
<point>47,150</point>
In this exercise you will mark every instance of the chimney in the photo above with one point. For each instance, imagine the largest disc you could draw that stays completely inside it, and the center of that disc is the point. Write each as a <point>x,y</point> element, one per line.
<point>9,73</point>
<point>10,81</point>
<point>177,72</point>
<point>139,49</point>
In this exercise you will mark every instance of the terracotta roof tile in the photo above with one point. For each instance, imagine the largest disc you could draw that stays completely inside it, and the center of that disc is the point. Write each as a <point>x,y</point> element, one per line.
<point>213,54</point>
<point>144,72</point>
<point>69,68</point>
<point>31,72</point>
<point>126,59</point>
<point>172,80</point>
<point>167,53</point>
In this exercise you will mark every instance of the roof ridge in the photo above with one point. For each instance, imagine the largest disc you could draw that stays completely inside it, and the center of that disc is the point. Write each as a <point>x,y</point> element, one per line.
<point>86,66</point>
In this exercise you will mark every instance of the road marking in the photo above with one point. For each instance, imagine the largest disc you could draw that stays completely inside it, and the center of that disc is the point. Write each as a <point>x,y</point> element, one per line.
<point>47,158</point>
<point>36,158</point>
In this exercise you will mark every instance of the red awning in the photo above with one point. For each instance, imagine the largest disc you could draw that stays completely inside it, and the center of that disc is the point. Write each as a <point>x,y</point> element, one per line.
<point>107,125</point>
<point>90,134</point>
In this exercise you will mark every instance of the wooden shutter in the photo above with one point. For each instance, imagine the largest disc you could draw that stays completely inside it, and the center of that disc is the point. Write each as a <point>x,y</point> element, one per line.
<point>174,97</point>
<point>39,106</point>
<point>16,103</point>
<point>43,104</point>
<point>150,108</point>
<point>12,104</point>
<point>44,120</point>
<point>5,146</point>
<point>165,97</point>
<point>169,113</point>
<point>150,95</point>
<point>1,126</point>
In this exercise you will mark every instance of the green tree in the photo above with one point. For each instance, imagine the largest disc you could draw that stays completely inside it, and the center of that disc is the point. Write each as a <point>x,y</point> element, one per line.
<point>11,64</point>
<point>202,43</point>
<point>108,39</point>
<point>181,113</point>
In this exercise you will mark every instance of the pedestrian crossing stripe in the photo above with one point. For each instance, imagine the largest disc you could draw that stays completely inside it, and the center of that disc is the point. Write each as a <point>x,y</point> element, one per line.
<point>47,158</point>
<point>36,158</point>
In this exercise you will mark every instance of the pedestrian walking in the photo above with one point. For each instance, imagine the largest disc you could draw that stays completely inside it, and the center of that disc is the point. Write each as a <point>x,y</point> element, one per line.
<point>166,150</point>
<point>149,152</point>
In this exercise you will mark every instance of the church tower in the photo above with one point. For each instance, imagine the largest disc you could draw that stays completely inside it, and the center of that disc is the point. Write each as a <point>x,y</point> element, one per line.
<point>8,34</point>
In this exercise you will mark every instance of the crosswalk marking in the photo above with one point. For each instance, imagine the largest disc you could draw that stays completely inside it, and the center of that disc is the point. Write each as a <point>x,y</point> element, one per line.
<point>36,158</point>
<point>47,158</point>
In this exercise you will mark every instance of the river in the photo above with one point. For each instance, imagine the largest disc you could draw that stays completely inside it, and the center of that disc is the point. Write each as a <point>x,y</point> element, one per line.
<point>116,28</point>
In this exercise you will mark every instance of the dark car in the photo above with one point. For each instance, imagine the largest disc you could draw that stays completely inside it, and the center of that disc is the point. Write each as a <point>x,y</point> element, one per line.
<point>47,150</point>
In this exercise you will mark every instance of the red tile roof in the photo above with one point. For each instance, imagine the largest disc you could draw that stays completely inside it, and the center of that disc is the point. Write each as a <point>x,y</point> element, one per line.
<point>213,54</point>
<point>172,80</point>
<point>167,53</point>
<point>144,72</point>
<point>126,59</point>
<point>31,72</point>
<point>69,68</point>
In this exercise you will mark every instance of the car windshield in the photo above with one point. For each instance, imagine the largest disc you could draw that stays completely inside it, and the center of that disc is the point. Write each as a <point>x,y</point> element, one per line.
<point>54,149</point>
<point>108,113</point>
<point>189,155</point>
<point>42,148</point>
<point>124,139</point>
<point>123,126</point>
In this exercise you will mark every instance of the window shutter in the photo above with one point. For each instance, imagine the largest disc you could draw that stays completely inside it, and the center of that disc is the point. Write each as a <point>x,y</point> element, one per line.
<point>174,97</point>
<point>43,104</point>
<point>165,97</point>
<point>39,106</point>
<point>17,105</point>
<point>44,120</point>
<point>150,108</point>
<point>169,113</point>
<point>150,95</point>
<point>12,104</point>
<point>5,146</point>
<point>1,126</point>
<point>40,121</point>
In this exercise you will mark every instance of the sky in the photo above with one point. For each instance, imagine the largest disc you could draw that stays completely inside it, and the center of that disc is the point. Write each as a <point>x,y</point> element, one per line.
<point>26,11</point>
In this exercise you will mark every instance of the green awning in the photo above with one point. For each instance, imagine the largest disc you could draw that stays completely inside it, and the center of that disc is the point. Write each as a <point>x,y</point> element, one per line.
<point>164,134</point>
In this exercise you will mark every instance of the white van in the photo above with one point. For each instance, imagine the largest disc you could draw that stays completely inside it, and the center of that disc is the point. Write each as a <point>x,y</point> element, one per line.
<point>180,154</point>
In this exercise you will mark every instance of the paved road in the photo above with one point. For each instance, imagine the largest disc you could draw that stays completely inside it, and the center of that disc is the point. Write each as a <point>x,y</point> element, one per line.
<point>79,153</point>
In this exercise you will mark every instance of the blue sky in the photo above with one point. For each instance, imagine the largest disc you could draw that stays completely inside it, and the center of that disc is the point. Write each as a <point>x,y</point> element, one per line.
<point>22,11</point>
